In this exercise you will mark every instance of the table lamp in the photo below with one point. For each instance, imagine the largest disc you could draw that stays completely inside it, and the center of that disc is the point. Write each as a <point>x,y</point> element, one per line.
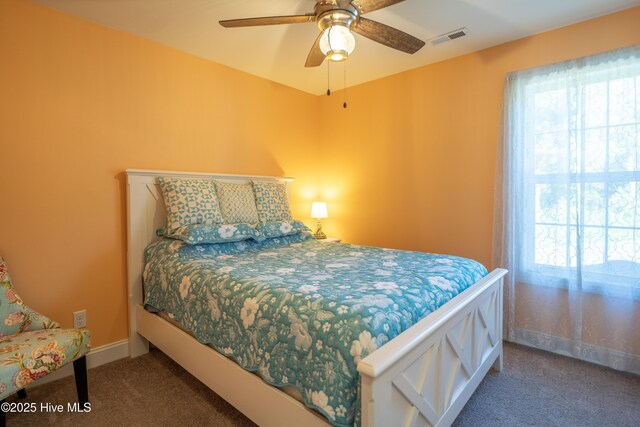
<point>319,211</point>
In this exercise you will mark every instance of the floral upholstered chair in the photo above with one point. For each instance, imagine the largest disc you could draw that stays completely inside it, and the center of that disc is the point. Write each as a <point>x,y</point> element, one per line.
<point>32,346</point>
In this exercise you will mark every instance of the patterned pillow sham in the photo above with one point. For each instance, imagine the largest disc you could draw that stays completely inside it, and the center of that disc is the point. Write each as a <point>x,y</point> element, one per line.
<point>272,201</point>
<point>190,201</point>
<point>237,203</point>
<point>197,234</point>
<point>268,230</point>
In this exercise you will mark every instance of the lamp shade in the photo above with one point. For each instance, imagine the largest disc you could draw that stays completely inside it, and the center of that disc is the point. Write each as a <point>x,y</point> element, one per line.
<point>319,210</point>
<point>337,42</point>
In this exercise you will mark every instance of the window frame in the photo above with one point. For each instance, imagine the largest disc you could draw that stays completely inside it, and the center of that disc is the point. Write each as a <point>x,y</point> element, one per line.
<point>560,276</point>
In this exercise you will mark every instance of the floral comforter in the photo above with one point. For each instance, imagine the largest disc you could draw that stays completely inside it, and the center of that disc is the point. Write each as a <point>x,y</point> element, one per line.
<point>300,312</point>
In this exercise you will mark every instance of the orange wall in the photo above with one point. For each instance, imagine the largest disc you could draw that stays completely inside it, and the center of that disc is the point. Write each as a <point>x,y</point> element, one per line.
<point>411,167</point>
<point>79,103</point>
<point>413,164</point>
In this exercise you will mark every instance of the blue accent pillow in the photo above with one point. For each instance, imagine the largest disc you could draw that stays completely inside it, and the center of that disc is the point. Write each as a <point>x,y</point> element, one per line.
<point>268,230</point>
<point>196,234</point>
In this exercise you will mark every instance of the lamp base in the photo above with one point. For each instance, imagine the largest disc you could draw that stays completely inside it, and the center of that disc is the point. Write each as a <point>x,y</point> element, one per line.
<point>319,234</point>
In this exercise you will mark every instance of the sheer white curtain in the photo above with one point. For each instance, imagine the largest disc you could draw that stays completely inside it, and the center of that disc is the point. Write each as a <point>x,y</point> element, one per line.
<point>568,208</point>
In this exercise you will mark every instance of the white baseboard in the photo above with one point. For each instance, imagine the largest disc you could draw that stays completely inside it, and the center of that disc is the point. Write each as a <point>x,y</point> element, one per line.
<point>96,357</point>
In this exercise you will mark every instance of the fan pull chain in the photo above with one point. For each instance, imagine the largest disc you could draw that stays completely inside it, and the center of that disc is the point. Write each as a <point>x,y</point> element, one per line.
<point>328,78</point>
<point>344,105</point>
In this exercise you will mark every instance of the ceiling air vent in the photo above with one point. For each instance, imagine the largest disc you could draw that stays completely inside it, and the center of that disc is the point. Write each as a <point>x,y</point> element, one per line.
<point>456,34</point>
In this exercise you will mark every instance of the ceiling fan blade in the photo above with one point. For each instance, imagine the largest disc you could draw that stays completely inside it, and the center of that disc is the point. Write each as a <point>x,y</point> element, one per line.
<point>316,57</point>
<point>268,20</point>
<point>366,6</point>
<point>388,36</point>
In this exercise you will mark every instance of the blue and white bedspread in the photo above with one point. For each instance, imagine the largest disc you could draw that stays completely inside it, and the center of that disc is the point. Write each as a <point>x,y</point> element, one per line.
<point>300,312</point>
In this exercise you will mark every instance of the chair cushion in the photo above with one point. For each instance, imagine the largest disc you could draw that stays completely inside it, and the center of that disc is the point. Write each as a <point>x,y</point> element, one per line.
<point>28,356</point>
<point>15,316</point>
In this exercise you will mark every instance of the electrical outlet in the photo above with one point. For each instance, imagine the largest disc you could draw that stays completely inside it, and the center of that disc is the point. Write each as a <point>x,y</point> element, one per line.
<point>80,319</point>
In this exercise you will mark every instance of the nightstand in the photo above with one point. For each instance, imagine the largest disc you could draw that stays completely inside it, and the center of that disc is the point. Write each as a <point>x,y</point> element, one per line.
<point>330,240</point>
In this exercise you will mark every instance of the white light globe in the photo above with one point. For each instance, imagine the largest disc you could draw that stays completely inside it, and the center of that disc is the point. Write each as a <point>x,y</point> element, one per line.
<point>337,42</point>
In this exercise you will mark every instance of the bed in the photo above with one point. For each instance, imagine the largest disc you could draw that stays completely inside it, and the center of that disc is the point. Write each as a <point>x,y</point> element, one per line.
<point>420,371</point>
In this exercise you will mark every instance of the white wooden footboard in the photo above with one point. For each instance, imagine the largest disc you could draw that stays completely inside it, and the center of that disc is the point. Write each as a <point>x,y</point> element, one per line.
<point>424,376</point>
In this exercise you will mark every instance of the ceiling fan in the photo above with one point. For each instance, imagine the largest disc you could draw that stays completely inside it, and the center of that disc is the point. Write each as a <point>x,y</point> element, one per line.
<point>336,20</point>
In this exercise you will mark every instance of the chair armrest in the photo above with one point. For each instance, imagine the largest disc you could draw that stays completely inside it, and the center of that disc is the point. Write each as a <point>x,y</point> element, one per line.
<point>15,316</point>
<point>34,321</point>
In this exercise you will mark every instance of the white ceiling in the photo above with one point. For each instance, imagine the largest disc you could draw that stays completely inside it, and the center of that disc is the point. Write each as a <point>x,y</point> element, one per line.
<point>278,52</point>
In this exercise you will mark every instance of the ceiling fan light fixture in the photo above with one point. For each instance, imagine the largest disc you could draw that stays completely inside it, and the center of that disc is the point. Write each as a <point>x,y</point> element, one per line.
<point>338,56</point>
<point>337,20</point>
<point>337,43</point>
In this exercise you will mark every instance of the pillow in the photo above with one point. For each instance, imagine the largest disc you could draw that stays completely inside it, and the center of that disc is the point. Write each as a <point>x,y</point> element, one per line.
<point>237,203</point>
<point>268,230</point>
<point>272,201</point>
<point>201,233</point>
<point>190,201</point>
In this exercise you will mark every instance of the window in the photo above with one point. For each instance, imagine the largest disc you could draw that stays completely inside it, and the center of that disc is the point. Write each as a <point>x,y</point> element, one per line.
<point>567,218</point>
<point>581,175</point>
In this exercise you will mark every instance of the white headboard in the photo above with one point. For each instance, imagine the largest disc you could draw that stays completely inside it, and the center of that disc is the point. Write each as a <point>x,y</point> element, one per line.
<point>145,214</point>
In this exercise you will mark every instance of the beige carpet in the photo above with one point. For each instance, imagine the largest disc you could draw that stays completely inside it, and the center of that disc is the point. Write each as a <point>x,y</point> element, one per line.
<point>535,389</point>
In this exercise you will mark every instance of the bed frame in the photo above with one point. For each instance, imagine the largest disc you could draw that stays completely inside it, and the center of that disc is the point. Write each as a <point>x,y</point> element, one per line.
<point>423,377</point>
